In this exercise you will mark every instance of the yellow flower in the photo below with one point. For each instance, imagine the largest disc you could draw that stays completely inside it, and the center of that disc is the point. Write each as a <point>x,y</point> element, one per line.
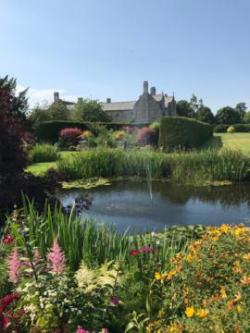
<point>189,312</point>
<point>239,308</point>
<point>190,257</point>
<point>169,275</point>
<point>237,268</point>
<point>202,313</point>
<point>246,256</point>
<point>224,228</point>
<point>223,293</point>
<point>158,276</point>
<point>175,328</point>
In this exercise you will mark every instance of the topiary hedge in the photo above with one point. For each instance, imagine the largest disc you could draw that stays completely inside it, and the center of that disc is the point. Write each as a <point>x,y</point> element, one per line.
<point>184,133</point>
<point>48,131</point>
<point>238,128</point>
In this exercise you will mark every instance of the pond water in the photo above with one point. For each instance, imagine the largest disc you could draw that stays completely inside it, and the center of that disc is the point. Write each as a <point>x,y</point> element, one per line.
<point>133,206</point>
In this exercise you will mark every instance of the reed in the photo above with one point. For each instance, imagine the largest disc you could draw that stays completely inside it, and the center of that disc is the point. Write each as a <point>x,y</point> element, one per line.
<point>196,167</point>
<point>82,239</point>
<point>43,153</point>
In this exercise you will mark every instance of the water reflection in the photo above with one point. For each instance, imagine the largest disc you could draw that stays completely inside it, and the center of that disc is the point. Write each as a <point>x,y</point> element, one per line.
<point>129,204</point>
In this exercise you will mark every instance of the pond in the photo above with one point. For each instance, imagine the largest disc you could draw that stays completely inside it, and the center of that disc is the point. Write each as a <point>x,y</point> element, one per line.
<point>141,207</point>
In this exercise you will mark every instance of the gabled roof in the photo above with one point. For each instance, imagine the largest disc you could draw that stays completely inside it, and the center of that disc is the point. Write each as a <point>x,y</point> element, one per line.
<point>118,106</point>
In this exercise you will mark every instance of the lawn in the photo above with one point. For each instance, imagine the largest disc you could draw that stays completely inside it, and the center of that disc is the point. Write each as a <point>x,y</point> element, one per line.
<point>237,141</point>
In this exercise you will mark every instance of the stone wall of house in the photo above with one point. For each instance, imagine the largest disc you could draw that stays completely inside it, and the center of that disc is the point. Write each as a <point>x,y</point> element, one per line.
<point>147,109</point>
<point>122,116</point>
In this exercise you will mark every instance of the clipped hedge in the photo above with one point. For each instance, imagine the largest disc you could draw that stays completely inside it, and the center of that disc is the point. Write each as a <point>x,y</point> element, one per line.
<point>48,131</point>
<point>238,128</point>
<point>184,133</point>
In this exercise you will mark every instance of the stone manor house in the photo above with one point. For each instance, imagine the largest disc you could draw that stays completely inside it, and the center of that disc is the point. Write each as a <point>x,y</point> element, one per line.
<point>149,107</point>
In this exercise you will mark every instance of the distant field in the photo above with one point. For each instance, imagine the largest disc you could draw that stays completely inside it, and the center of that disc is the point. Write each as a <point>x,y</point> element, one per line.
<point>237,141</point>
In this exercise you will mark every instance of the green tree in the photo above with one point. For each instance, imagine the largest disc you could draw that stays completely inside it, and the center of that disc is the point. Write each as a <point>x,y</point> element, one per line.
<point>205,114</point>
<point>247,117</point>
<point>39,115</point>
<point>90,110</point>
<point>18,102</point>
<point>184,109</point>
<point>58,111</point>
<point>227,115</point>
<point>196,103</point>
<point>241,108</point>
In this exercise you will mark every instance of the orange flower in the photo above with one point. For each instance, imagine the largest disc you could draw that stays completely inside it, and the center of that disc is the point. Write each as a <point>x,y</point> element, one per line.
<point>245,280</point>
<point>246,256</point>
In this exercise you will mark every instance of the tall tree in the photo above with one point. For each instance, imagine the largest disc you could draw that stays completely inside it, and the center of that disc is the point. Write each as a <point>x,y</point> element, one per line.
<point>241,108</point>
<point>18,102</point>
<point>90,110</point>
<point>184,109</point>
<point>227,115</point>
<point>205,114</point>
<point>58,111</point>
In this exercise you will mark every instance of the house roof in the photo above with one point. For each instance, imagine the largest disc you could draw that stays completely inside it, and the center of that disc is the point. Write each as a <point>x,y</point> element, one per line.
<point>118,106</point>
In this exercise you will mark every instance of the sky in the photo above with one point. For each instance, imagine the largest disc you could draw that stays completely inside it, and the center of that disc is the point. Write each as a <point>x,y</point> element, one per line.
<point>107,48</point>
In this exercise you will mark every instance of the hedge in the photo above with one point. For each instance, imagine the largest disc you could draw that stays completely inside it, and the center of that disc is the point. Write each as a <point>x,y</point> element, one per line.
<point>184,133</point>
<point>238,128</point>
<point>48,131</point>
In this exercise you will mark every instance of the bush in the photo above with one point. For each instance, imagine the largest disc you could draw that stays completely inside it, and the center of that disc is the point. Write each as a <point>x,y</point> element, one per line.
<point>145,136</point>
<point>48,131</point>
<point>184,133</point>
<point>69,137</point>
<point>238,128</point>
<point>43,153</point>
<point>207,288</point>
<point>231,129</point>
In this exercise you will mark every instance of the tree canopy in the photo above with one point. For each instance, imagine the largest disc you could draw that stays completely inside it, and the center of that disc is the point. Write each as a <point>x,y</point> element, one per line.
<point>18,102</point>
<point>89,110</point>
<point>227,115</point>
<point>205,114</point>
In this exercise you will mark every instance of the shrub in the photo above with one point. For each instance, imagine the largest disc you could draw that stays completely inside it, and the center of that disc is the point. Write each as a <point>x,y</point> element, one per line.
<point>69,137</point>
<point>231,129</point>
<point>43,153</point>
<point>48,131</point>
<point>181,132</point>
<point>145,135</point>
<point>207,288</point>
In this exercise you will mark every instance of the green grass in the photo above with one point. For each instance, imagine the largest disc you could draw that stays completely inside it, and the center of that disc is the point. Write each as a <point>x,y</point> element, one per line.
<point>236,141</point>
<point>39,169</point>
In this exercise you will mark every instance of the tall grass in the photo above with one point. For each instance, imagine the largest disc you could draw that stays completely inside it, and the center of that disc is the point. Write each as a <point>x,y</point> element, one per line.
<point>84,240</point>
<point>43,153</point>
<point>194,167</point>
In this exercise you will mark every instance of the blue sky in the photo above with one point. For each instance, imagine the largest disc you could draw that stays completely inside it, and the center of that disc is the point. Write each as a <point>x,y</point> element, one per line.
<point>106,48</point>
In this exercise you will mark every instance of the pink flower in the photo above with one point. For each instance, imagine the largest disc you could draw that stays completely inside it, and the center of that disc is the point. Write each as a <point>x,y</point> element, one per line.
<point>14,265</point>
<point>114,300</point>
<point>56,259</point>
<point>105,330</point>
<point>146,249</point>
<point>8,239</point>
<point>81,330</point>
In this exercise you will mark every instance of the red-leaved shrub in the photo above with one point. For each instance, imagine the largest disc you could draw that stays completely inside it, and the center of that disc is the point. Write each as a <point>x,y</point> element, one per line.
<point>145,136</point>
<point>69,136</point>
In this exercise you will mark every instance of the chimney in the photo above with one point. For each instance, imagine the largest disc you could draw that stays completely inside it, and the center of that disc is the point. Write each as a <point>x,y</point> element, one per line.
<point>56,96</point>
<point>108,100</point>
<point>145,87</point>
<point>153,91</point>
<point>79,100</point>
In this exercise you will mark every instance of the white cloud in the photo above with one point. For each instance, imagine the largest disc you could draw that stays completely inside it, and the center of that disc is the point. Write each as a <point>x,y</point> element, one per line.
<point>44,96</point>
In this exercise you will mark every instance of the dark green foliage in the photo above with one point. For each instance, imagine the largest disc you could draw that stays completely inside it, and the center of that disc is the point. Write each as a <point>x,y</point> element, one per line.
<point>39,115</point>
<point>238,128</point>
<point>89,110</point>
<point>247,117</point>
<point>184,133</point>
<point>205,114</point>
<point>48,131</point>
<point>184,109</point>
<point>241,108</point>
<point>227,115</point>
<point>59,111</point>
<point>18,103</point>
